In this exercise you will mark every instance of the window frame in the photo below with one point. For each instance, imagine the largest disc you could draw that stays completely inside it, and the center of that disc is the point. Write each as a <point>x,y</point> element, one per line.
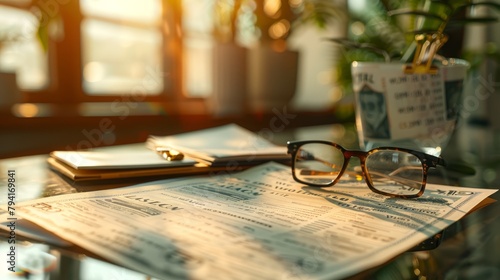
<point>65,68</point>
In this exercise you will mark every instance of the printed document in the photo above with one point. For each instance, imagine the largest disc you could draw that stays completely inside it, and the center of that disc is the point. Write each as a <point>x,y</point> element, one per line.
<point>256,224</point>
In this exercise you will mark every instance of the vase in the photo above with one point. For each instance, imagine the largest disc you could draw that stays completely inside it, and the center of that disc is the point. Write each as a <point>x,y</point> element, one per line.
<point>272,78</point>
<point>9,92</point>
<point>229,80</point>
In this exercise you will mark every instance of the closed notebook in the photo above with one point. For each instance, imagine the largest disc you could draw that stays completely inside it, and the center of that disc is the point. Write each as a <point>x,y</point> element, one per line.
<point>128,161</point>
<point>126,157</point>
<point>221,145</point>
<point>80,175</point>
<point>203,151</point>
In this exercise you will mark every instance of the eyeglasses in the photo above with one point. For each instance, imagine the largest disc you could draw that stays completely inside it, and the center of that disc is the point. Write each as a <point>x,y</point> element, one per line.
<point>395,172</point>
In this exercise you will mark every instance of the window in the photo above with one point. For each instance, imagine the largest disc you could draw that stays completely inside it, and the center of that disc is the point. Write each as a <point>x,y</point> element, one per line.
<point>20,50</point>
<point>97,49</point>
<point>122,47</point>
<point>197,44</point>
<point>155,50</point>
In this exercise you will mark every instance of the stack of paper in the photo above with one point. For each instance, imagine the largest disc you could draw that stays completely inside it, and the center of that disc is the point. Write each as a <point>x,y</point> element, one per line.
<point>225,148</point>
<point>123,162</point>
<point>220,145</point>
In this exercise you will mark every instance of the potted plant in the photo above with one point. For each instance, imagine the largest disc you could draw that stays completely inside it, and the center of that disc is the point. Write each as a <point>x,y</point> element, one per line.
<point>12,34</point>
<point>391,29</point>
<point>273,66</point>
<point>9,92</point>
<point>229,61</point>
<point>415,85</point>
<point>253,63</point>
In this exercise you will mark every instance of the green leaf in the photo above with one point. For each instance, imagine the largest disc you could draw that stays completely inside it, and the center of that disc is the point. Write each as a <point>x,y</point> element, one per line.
<point>355,45</point>
<point>43,36</point>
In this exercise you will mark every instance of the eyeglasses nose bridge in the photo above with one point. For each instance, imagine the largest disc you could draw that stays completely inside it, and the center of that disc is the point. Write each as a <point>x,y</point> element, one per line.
<point>359,154</point>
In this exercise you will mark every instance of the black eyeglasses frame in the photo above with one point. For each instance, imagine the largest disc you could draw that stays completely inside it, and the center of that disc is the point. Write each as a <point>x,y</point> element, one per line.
<point>427,161</point>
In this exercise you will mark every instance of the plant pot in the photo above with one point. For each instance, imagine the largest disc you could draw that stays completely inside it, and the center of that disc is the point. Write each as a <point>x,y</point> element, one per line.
<point>416,111</point>
<point>9,92</point>
<point>272,78</point>
<point>229,80</point>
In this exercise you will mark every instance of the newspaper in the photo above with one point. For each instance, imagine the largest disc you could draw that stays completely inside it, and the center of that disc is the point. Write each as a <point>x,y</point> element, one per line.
<point>257,224</point>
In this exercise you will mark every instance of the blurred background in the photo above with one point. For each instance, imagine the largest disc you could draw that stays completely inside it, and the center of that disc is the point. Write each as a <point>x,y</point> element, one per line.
<point>78,74</point>
<point>146,66</point>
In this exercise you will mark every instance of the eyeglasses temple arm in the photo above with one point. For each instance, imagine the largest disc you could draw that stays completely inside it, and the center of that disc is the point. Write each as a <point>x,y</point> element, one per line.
<point>433,161</point>
<point>441,161</point>
<point>310,156</point>
<point>407,182</point>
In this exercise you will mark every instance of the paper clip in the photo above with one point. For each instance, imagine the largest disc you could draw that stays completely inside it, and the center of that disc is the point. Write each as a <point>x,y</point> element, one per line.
<point>169,154</point>
<point>427,47</point>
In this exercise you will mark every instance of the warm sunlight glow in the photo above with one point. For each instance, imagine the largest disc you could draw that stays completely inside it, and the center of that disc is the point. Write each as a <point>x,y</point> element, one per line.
<point>27,110</point>
<point>118,55</point>
<point>93,72</point>
<point>148,11</point>
<point>20,49</point>
<point>272,7</point>
<point>279,29</point>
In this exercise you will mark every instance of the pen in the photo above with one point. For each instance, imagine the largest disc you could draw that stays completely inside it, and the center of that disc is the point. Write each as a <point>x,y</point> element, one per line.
<point>169,154</point>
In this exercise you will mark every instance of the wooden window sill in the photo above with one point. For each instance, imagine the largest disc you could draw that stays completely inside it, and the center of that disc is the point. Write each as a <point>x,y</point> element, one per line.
<point>64,127</point>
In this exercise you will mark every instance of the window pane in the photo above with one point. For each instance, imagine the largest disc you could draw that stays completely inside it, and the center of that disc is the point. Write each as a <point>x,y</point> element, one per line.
<point>198,16</point>
<point>20,49</point>
<point>119,59</point>
<point>198,43</point>
<point>198,67</point>
<point>143,11</point>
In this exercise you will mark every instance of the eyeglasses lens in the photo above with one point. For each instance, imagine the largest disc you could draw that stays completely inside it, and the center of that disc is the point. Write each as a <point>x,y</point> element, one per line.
<point>318,164</point>
<point>395,172</point>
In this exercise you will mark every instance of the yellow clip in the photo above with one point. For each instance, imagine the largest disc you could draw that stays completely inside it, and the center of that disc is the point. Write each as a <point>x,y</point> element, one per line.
<point>427,47</point>
<point>169,154</point>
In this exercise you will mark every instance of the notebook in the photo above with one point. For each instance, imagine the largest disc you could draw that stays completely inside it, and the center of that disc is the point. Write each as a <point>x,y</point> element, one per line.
<point>226,148</point>
<point>220,145</point>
